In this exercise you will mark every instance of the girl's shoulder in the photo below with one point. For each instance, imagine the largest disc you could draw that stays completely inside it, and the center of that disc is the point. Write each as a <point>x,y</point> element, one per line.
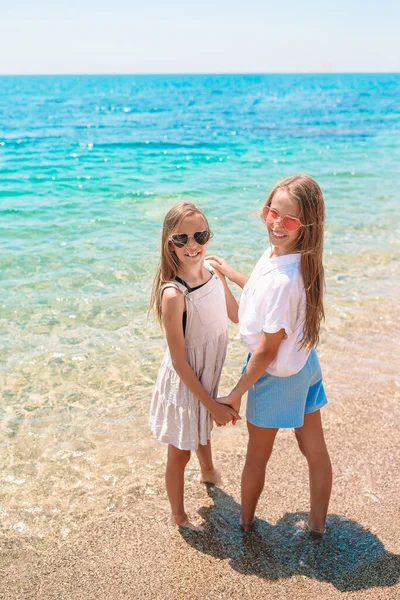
<point>287,280</point>
<point>172,298</point>
<point>172,285</point>
<point>281,274</point>
<point>287,266</point>
<point>209,268</point>
<point>171,290</point>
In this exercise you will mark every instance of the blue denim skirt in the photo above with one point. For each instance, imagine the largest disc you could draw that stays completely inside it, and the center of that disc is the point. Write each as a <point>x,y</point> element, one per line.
<point>283,401</point>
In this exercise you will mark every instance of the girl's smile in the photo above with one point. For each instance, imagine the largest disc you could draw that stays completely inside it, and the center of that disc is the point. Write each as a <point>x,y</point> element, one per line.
<point>277,235</point>
<point>191,253</point>
<point>282,239</point>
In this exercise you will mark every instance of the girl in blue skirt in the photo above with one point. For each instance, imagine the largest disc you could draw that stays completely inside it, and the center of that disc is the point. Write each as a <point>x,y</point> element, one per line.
<point>280,312</point>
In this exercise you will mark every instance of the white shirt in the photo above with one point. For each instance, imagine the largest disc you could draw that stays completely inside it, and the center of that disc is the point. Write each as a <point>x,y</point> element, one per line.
<point>274,298</point>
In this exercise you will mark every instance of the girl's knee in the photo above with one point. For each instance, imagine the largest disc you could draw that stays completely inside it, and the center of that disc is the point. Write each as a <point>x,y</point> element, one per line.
<point>258,460</point>
<point>184,457</point>
<point>310,438</point>
<point>178,456</point>
<point>316,454</point>
<point>322,454</point>
<point>299,442</point>
<point>255,467</point>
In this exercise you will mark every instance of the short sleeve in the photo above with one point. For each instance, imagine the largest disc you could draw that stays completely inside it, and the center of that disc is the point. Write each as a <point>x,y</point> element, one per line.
<point>282,307</point>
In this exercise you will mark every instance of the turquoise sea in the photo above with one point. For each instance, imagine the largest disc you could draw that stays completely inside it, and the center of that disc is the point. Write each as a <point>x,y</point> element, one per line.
<point>89,165</point>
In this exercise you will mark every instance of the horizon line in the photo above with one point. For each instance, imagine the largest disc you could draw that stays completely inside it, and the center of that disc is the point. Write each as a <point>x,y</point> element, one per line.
<point>205,73</point>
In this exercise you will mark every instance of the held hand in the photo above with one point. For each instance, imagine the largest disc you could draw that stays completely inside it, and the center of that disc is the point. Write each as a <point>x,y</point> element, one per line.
<point>221,265</point>
<point>224,414</point>
<point>233,402</point>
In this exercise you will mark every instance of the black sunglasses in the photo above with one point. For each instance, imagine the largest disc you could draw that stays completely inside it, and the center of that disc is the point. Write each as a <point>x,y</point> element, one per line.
<point>200,237</point>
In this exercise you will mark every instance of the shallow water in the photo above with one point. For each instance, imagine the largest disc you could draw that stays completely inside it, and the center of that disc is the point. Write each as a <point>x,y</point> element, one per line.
<point>89,166</point>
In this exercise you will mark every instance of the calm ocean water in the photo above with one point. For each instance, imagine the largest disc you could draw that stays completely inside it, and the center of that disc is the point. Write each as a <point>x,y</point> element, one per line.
<point>89,166</point>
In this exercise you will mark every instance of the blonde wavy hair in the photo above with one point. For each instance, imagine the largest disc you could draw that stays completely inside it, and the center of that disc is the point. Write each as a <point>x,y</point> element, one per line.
<point>306,191</point>
<point>169,262</point>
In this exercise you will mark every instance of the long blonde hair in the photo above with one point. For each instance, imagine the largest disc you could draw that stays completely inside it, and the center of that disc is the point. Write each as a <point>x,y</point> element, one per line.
<point>169,263</point>
<point>309,244</point>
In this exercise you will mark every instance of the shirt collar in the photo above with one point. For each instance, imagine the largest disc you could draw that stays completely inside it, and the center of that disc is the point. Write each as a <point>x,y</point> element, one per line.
<point>274,262</point>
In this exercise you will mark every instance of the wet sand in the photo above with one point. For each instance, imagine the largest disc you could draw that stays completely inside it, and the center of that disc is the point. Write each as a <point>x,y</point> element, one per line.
<point>135,553</point>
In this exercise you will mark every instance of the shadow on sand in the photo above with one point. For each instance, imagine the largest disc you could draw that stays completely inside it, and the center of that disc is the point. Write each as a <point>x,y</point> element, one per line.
<point>349,556</point>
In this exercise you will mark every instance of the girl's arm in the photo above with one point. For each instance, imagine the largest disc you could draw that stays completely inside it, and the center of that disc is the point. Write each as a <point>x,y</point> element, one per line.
<point>232,306</point>
<point>259,362</point>
<point>223,267</point>
<point>173,306</point>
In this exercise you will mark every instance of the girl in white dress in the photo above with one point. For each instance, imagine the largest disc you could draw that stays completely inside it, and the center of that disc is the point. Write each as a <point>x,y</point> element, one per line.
<point>192,302</point>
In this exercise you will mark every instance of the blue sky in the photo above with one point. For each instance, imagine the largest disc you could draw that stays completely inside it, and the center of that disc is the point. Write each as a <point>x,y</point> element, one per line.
<point>219,36</point>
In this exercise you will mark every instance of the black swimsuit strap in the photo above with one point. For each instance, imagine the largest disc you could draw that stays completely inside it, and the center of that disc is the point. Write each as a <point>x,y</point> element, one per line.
<point>189,289</point>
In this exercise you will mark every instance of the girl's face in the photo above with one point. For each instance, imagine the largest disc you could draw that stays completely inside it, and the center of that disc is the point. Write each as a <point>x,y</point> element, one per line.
<point>191,253</point>
<point>281,238</point>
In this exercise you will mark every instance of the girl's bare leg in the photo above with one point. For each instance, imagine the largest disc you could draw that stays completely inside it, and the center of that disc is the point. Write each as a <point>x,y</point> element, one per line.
<point>208,473</point>
<point>259,449</point>
<point>311,441</point>
<point>174,481</point>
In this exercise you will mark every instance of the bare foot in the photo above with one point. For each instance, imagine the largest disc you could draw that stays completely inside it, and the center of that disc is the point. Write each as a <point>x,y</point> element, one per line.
<point>212,476</point>
<point>315,533</point>
<point>246,526</point>
<point>183,521</point>
<point>180,519</point>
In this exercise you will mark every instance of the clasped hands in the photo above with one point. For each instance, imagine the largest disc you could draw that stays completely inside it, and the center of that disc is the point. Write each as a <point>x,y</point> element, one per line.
<point>226,411</point>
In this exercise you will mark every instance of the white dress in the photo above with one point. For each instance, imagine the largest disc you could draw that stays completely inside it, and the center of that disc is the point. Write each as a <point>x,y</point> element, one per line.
<point>176,416</point>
